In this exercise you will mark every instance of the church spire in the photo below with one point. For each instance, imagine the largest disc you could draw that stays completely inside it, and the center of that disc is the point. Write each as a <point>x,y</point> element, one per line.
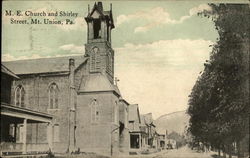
<point>100,23</point>
<point>98,47</point>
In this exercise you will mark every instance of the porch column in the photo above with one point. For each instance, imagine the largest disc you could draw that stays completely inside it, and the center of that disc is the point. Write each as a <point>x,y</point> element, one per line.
<point>143,141</point>
<point>15,127</point>
<point>24,136</point>
<point>139,141</point>
<point>50,135</point>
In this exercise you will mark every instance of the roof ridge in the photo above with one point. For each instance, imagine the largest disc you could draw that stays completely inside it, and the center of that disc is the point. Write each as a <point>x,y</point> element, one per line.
<point>170,113</point>
<point>43,58</point>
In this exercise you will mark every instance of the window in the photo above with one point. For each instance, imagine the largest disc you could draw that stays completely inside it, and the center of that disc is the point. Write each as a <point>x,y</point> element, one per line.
<point>95,58</point>
<point>19,96</point>
<point>95,112</point>
<point>97,28</point>
<point>53,96</point>
<point>19,133</point>
<point>107,33</point>
<point>115,113</point>
<point>56,131</point>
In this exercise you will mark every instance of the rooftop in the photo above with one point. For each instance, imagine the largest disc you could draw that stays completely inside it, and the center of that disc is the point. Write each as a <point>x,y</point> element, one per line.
<point>133,112</point>
<point>7,71</point>
<point>97,82</point>
<point>43,65</point>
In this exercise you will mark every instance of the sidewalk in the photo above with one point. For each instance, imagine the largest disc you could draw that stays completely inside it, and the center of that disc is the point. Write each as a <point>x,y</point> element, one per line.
<point>151,155</point>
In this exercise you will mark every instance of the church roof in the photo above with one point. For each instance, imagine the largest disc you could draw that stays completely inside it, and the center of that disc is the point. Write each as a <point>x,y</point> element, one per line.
<point>7,71</point>
<point>43,65</point>
<point>95,82</point>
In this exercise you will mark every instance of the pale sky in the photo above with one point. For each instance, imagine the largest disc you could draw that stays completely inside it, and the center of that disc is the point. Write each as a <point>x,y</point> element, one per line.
<point>160,46</point>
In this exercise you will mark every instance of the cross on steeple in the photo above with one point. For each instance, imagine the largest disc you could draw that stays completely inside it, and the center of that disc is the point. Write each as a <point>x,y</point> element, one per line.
<point>116,80</point>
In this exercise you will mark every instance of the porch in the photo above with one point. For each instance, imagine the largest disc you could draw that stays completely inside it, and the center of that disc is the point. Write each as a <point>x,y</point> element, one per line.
<point>14,122</point>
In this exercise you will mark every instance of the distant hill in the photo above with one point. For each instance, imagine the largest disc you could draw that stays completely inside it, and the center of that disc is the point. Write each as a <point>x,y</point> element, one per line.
<point>172,122</point>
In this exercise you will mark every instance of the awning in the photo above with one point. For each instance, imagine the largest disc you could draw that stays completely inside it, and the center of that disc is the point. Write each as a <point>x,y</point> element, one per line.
<point>24,113</point>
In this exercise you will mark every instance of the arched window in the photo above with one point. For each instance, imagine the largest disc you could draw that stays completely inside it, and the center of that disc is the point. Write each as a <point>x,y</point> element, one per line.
<point>115,113</point>
<point>95,60</point>
<point>53,96</point>
<point>95,111</point>
<point>97,28</point>
<point>19,96</point>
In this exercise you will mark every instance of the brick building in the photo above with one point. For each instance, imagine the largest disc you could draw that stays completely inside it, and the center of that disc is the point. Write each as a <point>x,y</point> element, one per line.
<point>79,92</point>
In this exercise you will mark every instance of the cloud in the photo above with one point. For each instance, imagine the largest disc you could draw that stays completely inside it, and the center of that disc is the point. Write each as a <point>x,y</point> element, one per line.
<point>181,52</point>
<point>79,24</point>
<point>43,53</point>
<point>156,17</point>
<point>9,57</point>
<point>164,71</point>
<point>198,9</point>
<point>73,48</point>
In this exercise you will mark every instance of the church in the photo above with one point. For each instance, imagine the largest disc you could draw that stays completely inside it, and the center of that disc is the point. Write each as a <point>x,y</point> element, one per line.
<point>75,99</point>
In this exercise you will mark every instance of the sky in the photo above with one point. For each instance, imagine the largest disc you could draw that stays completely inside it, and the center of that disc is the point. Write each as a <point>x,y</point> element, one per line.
<point>160,46</point>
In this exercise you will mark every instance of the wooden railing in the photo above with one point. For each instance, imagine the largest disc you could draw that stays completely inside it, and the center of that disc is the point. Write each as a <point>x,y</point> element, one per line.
<point>13,147</point>
<point>37,147</point>
<point>18,147</point>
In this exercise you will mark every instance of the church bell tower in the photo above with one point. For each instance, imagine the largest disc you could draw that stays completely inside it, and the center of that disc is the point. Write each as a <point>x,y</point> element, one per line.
<point>98,47</point>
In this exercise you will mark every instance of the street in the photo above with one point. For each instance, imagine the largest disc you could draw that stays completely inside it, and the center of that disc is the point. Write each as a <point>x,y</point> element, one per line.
<point>183,152</point>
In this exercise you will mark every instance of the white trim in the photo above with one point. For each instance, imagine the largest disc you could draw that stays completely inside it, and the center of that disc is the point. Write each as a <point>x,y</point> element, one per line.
<point>19,89</point>
<point>53,89</point>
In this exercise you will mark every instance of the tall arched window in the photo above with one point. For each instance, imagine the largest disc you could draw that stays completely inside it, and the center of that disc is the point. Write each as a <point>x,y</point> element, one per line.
<point>95,111</point>
<point>95,60</point>
<point>53,96</point>
<point>19,96</point>
<point>115,113</point>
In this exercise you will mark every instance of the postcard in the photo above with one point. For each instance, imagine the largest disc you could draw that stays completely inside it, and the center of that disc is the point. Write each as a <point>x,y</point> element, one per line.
<point>125,79</point>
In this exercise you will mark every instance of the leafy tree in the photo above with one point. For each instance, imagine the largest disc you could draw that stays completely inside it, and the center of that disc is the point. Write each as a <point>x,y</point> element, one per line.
<point>219,101</point>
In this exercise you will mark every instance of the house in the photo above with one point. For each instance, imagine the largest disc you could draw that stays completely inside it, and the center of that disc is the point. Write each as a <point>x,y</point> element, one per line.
<point>134,128</point>
<point>75,96</point>
<point>161,138</point>
<point>15,120</point>
<point>144,134</point>
<point>151,130</point>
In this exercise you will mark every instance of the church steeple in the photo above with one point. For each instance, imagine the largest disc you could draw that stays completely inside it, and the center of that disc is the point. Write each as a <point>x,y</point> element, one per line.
<point>98,47</point>
<point>100,23</point>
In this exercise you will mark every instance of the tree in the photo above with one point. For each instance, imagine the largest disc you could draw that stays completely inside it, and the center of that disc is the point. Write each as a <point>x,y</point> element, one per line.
<point>219,101</point>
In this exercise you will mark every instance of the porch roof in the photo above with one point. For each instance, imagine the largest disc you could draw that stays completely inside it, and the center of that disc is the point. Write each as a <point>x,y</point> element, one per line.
<point>24,113</point>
